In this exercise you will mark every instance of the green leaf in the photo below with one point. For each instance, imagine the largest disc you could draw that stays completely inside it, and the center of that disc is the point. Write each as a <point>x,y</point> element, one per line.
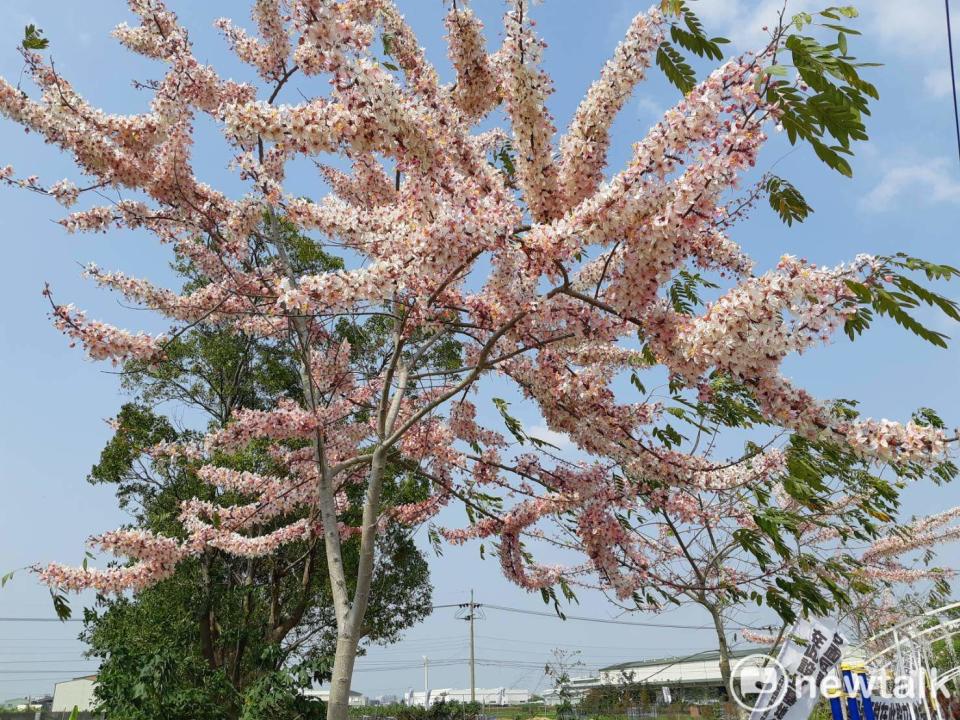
<point>61,605</point>
<point>387,39</point>
<point>786,200</point>
<point>696,43</point>
<point>841,28</point>
<point>832,158</point>
<point>7,578</point>
<point>671,7</point>
<point>33,38</point>
<point>898,295</point>
<point>801,19</point>
<point>673,65</point>
<point>684,292</point>
<point>827,111</point>
<point>514,426</point>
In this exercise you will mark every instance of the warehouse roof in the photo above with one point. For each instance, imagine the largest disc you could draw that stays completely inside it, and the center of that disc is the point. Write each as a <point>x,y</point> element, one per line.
<point>705,656</point>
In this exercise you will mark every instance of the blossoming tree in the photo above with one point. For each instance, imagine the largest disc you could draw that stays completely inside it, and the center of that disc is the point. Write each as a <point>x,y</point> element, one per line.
<point>520,249</point>
<point>807,528</point>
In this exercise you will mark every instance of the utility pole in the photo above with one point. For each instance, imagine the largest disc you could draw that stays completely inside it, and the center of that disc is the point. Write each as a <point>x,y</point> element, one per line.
<point>426,681</point>
<point>473,668</point>
<point>471,611</point>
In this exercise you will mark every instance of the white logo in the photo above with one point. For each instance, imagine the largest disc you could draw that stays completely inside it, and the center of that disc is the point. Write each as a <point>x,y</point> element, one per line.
<point>761,675</point>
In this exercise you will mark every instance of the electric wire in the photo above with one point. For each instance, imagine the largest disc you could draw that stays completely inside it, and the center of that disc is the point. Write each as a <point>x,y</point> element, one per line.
<point>953,76</point>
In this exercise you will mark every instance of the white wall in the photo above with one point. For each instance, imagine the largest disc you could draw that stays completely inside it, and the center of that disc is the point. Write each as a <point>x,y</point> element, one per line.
<point>73,693</point>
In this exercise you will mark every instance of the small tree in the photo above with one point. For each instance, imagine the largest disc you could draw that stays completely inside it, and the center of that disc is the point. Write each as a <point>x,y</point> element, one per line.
<point>558,669</point>
<point>780,529</point>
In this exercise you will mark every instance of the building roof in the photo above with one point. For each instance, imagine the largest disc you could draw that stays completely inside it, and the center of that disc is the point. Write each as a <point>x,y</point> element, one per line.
<point>706,656</point>
<point>91,678</point>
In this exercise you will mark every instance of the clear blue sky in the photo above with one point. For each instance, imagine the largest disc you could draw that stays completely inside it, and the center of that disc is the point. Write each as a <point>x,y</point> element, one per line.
<point>905,196</point>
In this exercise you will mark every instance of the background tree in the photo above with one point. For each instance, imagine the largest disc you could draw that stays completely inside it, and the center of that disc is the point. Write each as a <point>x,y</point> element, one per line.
<point>559,669</point>
<point>547,274</point>
<point>229,637</point>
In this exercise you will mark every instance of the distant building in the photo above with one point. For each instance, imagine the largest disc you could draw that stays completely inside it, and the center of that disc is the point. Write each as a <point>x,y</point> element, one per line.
<point>694,678</point>
<point>574,689</point>
<point>691,678</point>
<point>356,699</point>
<point>484,696</point>
<point>76,693</point>
<point>29,702</point>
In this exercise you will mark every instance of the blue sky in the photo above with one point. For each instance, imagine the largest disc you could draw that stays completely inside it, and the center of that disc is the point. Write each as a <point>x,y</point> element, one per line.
<point>905,195</point>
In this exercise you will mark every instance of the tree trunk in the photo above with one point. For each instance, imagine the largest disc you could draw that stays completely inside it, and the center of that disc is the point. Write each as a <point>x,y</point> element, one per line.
<point>338,703</point>
<point>349,632</point>
<point>350,612</point>
<point>726,673</point>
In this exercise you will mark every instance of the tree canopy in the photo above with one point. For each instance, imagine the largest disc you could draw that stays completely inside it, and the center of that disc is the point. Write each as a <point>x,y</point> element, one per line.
<point>481,255</point>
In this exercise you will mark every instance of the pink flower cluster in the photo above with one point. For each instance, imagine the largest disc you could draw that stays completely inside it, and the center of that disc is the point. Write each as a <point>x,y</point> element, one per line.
<point>105,342</point>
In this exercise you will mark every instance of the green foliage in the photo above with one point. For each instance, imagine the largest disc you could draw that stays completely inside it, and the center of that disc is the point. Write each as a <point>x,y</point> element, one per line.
<point>684,291</point>
<point>675,67</point>
<point>61,605</point>
<point>33,39</point>
<point>276,695</point>
<point>786,200</point>
<point>388,40</point>
<point>800,581</point>
<point>892,293</point>
<point>503,159</point>
<point>149,668</point>
<point>687,32</point>
<point>137,428</point>
<point>515,427</point>
<point>693,38</point>
<point>828,113</point>
<point>616,700</point>
<point>439,710</point>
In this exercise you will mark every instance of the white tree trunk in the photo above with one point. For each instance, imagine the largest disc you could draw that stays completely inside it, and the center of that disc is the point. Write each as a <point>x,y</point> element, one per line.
<point>338,704</point>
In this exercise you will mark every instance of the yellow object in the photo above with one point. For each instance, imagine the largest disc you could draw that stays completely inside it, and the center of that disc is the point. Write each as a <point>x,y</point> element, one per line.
<point>853,666</point>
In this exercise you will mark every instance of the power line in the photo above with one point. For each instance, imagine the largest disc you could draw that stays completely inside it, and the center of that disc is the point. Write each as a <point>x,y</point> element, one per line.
<point>953,76</point>
<point>607,621</point>
<point>30,662</point>
<point>54,672</point>
<point>503,608</point>
<point>574,646</point>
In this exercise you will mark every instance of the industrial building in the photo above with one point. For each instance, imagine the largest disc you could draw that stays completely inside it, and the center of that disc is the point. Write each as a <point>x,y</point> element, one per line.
<point>76,693</point>
<point>691,678</point>
<point>484,696</point>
